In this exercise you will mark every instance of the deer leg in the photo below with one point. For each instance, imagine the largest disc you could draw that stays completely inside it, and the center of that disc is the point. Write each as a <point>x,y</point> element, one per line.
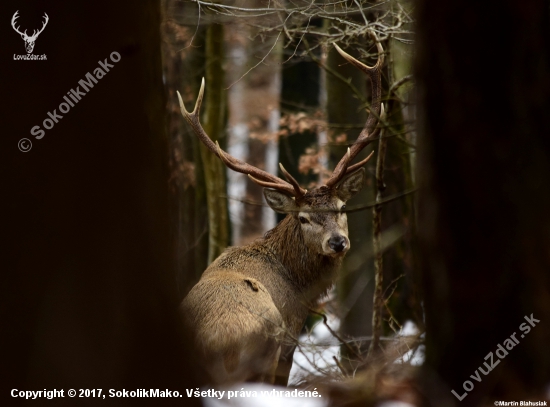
<point>284,365</point>
<point>272,372</point>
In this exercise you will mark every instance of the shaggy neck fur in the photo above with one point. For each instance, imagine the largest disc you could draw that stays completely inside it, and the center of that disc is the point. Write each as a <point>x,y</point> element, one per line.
<point>313,274</point>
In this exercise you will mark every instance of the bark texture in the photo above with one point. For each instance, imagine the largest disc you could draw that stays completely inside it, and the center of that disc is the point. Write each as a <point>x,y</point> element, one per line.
<point>214,125</point>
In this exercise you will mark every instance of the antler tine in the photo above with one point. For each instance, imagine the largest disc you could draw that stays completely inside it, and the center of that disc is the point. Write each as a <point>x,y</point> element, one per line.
<point>236,165</point>
<point>299,190</point>
<point>43,25</point>
<point>15,17</point>
<point>273,185</point>
<point>36,33</point>
<point>198,103</point>
<point>369,132</point>
<point>353,167</point>
<point>259,176</point>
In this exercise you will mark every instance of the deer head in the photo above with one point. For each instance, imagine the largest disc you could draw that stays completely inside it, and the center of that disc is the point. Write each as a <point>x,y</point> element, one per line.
<point>29,41</point>
<point>320,211</point>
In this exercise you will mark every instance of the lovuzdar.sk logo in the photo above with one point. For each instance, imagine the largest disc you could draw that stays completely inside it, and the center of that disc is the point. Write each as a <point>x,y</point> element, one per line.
<point>29,39</point>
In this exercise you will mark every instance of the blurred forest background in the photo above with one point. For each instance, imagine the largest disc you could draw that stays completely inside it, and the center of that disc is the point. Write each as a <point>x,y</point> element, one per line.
<point>277,91</point>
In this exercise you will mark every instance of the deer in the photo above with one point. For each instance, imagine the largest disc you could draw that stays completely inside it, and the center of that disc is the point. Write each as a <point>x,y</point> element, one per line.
<point>29,41</point>
<point>251,303</point>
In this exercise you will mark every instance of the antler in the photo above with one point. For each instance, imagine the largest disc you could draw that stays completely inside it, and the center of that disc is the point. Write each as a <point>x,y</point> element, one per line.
<point>370,131</point>
<point>15,17</point>
<point>36,34</point>
<point>257,175</point>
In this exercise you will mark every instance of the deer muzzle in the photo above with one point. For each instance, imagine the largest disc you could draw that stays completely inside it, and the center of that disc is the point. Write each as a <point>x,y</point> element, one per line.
<point>338,243</point>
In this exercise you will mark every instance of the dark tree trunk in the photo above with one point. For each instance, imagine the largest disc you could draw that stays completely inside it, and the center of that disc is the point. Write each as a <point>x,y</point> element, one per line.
<point>484,201</point>
<point>183,70</point>
<point>89,280</point>
<point>214,118</point>
<point>398,218</point>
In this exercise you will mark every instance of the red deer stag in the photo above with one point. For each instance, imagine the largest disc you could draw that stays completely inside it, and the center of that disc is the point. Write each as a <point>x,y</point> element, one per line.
<point>253,297</point>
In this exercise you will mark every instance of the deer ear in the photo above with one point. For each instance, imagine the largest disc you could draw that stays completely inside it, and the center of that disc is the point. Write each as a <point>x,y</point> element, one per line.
<point>279,201</point>
<point>350,184</point>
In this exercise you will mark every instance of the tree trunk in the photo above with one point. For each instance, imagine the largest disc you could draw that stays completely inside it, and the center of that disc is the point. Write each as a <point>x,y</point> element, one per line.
<point>183,70</point>
<point>484,169</point>
<point>214,125</point>
<point>398,217</point>
<point>89,299</point>
<point>259,113</point>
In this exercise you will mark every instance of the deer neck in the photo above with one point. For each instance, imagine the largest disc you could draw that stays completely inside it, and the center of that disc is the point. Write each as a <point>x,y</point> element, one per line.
<point>313,274</point>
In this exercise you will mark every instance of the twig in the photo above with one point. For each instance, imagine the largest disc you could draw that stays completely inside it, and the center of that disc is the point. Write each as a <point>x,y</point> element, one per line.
<point>362,13</point>
<point>259,63</point>
<point>340,366</point>
<point>311,362</point>
<point>333,333</point>
<point>377,243</point>
<point>197,28</point>
<point>391,285</point>
<point>352,208</point>
<point>400,82</point>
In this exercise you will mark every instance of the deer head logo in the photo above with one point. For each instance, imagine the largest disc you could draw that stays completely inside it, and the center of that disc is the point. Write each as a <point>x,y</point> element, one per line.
<point>29,40</point>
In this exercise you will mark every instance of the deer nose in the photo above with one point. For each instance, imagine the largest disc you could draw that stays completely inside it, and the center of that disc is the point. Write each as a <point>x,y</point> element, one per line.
<point>337,243</point>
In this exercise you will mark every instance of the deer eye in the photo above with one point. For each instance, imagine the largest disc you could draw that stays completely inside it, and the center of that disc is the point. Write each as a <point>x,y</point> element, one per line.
<point>303,220</point>
<point>343,208</point>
